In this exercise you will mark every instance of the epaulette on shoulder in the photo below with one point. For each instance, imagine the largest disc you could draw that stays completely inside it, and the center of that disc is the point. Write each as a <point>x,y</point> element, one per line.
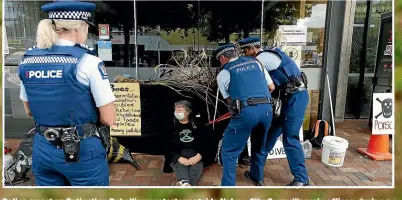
<point>32,48</point>
<point>84,46</point>
<point>88,49</point>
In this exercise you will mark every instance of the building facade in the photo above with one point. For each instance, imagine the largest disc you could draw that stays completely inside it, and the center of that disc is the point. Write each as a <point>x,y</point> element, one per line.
<point>145,34</point>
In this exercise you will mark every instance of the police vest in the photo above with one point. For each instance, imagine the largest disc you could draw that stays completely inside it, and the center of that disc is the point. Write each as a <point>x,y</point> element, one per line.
<point>246,79</point>
<point>55,96</point>
<point>286,70</point>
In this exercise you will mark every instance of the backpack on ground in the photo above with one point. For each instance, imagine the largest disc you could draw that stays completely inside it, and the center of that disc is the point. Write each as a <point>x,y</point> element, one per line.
<point>16,171</point>
<point>321,129</point>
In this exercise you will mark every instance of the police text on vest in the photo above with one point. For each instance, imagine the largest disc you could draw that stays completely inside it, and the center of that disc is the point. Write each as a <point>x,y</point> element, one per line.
<point>45,74</point>
<point>245,68</point>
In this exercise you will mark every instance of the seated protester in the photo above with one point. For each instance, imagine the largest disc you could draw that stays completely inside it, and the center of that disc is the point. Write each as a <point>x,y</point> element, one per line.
<point>186,150</point>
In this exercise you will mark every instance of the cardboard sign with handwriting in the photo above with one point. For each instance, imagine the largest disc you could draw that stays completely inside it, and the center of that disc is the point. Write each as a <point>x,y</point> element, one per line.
<point>128,109</point>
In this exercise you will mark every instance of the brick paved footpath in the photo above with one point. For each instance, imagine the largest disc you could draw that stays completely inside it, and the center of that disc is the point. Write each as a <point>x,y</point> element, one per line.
<point>356,171</point>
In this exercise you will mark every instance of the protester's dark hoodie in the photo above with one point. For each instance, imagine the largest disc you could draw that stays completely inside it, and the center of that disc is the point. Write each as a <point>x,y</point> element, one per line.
<point>187,141</point>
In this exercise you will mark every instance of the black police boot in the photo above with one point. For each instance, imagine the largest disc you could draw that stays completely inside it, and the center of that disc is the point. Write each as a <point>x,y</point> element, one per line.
<point>245,160</point>
<point>248,176</point>
<point>297,183</point>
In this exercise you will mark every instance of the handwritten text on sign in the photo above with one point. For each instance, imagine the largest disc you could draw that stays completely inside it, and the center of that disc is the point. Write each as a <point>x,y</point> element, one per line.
<point>128,107</point>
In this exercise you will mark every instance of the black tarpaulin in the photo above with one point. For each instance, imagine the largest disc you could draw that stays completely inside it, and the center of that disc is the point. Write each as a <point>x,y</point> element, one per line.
<point>157,108</point>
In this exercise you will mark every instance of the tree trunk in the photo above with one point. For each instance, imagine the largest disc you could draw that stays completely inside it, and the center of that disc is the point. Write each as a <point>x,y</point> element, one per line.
<point>226,34</point>
<point>126,29</point>
<point>246,32</point>
<point>227,38</point>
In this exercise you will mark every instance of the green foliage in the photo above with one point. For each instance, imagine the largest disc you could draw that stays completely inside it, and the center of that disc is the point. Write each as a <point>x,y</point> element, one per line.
<point>398,79</point>
<point>178,37</point>
<point>174,193</point>
<point>398,5</point>
<point>398,34</point>
<point>221,23</point>
<point>1,50</point>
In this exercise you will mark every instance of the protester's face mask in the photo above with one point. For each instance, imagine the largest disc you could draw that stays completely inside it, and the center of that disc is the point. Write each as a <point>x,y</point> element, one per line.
<point>179,116</point>
<point>180,113</point>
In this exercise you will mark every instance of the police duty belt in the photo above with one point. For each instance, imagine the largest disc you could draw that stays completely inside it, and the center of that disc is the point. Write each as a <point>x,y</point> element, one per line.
<point>88,129</point>
<point>255,101</point>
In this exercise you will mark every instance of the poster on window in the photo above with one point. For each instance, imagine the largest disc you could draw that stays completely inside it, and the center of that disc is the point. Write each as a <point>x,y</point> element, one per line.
<point>294,52</point>
<point>105,50</point>
<point>383,115</point>
<point>104,31</point>
<point>292,34</point>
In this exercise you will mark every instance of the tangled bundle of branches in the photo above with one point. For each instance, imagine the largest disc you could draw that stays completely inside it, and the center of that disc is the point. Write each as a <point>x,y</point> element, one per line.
<point>123,79</point>
<point>189,72</point>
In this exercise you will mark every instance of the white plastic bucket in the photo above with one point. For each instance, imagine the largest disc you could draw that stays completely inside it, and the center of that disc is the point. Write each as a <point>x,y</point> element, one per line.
<point>334,151</point>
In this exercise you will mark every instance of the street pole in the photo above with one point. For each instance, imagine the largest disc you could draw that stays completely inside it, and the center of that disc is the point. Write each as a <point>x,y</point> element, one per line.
<point>135,41</point>
<point>198,28</point>
<point>262,22</point>
<point>159,52</point>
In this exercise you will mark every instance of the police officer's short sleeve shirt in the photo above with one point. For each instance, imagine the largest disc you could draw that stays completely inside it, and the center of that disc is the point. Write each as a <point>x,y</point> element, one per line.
<point>23,93</point>
<point>90,72</point>
<point>270,61</point>
<point>93,73</point>
<point>266,74</point>
<point>223,80</point>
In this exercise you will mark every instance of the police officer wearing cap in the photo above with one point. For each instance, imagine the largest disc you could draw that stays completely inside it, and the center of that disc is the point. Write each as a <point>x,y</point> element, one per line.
<point>290,84</point>
<point>67,92</point>
<point>244,84</point>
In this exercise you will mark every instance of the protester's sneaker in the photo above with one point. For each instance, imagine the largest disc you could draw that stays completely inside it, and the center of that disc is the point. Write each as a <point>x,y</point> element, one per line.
<point>186,184</point>
<point>183,183</point>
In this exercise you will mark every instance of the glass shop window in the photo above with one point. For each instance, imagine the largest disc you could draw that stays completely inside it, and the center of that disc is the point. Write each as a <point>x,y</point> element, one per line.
<point>298,27</point>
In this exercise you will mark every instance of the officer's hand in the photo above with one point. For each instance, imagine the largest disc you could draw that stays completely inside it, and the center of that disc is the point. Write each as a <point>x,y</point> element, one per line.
<point>271,87</point>
<point>184,161</point>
